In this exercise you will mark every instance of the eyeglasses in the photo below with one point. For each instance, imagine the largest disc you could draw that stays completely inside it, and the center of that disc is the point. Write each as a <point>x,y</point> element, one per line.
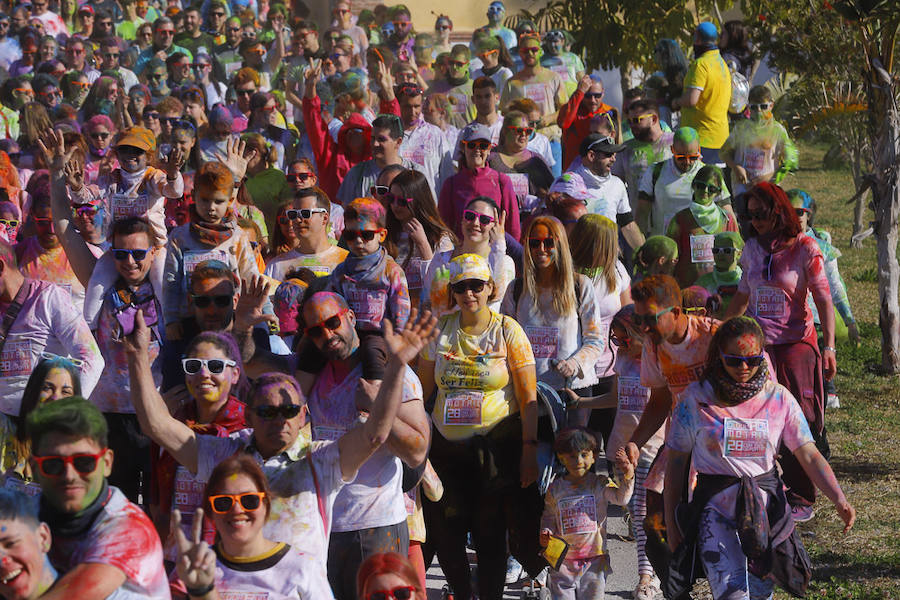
<point>305,213</point>
<point>401,592</point>
<point>111,55</point>
<point>442,28</point>
<point>244,92</point>
<point>473,285</point>
<point>202,65</point>
<point>731,360</point>
<point>44,221</point>
<point>528,131</point>
<point>409,89</point>
<point>604,141</point>
<point>637,120</point>
<point>331,323</point>
<point>234,29</point>
<point>221,301</point>
<point>268,412</point>
<point>249,501</point>
<point>165,32</point>
<point>53,94</point>
<point>379,190</point>
<point>295,177</point>
<point>152,115</point>
<point>55,465</point>
<point>25,91</point>
<point>215,366</point>
<point>459,64</point>
<point>488,53</point>
<point>548,242</point>
<point>706,187</point>
<point>9,222</point>
<point>723,250</point>
<point>687,157</point>
<point>759,107</point>
<point>398,200</point>
<point>802,211</point>
<point>367,235</point>
<point>259,51</point>
<point>76,362</point>
<point>401,24</point>
<point>337,55</point>
<point>472,216</point>
<point>760,214</point>
<point>99,135</point>
<point>593,95</point>
<point>217,14</point>
<point>477,145</point>
<point>650,320</point>
<point>75,51</point>
<point>121,254</point>
<point>86,211</point>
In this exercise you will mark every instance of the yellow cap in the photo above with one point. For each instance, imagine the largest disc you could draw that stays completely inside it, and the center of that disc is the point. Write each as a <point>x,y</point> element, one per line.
<point>468,266</point>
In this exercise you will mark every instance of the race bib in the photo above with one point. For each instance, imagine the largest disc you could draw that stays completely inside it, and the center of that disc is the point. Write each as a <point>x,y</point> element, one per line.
<point>561,70</point>
<point>537,92</point>
<point>578,514</point>
<point>414,272</point>
<point>16,359</point>
<point>367,304</point>
<point>30,489</point>
<point>544,341</point>
<point>317,269</point>
<point>519,184</point>
<point>701,248</point>
<point>745,438</point>
<point>754,162</point>
<point>188,494</point>
<point>124,206</point>
<point>632,395</point>
<point>463,408</point>
<point>192,258</point>
<point>243,595</point>
<point>331,434</point>
<point>462,103</point>
<point>770,302</point>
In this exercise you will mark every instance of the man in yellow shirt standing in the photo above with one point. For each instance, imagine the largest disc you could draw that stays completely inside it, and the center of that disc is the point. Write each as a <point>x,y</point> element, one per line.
<point>707,94</point>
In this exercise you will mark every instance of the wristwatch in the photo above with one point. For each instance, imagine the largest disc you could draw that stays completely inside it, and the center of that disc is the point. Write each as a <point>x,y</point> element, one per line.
<point>827,348</point>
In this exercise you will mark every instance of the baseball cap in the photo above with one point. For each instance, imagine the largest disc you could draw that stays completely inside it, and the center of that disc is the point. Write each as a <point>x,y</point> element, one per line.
<point>707,32</point>
<point>570,184</point>
<point>476,131</point>
<point>139,137</point>
<point>86,8</point>
<point>468,266</point>
<point>605,144</point>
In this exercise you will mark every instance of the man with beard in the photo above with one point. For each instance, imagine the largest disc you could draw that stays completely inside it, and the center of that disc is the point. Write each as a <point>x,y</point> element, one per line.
<point>369,514</point>
<point>163,45</point>
<point>649,145</point>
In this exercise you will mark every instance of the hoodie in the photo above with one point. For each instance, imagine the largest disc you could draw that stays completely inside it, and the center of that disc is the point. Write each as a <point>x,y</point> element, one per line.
<point>332,158</point>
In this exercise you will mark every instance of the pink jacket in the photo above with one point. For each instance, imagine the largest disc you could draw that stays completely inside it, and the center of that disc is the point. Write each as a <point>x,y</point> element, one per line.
<point>459,189</point>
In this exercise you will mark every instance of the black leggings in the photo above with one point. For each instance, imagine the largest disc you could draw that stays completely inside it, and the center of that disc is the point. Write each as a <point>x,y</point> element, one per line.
<point>488,502</point>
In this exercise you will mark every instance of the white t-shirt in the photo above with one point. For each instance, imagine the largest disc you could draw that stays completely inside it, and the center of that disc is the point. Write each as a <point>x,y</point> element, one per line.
<point>295,517</point>
<point>609,197</point>
<point>284,573</point>
<point>375,498</point>
<point>609,302</point>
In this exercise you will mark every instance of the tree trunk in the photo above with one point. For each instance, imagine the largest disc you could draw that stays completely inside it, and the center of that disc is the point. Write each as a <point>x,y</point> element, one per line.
<point>885,116</point>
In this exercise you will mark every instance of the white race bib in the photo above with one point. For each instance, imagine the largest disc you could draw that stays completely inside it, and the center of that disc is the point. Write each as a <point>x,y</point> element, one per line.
<point>745,438</point>
<point>544,341</point>
<point>368,304</point>
<point>16,359</point>
<point>632,395</point>
<point>701,248</point>
<point>770,302</point>
<point>537,92</point>
<point>463,408</point>
<point>192,258</point>
<point>578,514</point>
<point>331,434</point>
<point>519,184</point>
<point>124,205</point>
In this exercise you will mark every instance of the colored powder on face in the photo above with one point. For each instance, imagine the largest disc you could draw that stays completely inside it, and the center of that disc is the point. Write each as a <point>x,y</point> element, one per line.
<point>686,136</point>
<point>367,209</point>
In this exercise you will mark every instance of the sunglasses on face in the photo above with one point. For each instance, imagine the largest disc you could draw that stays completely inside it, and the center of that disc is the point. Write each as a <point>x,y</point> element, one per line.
<point>165,32</point>
<point>234,29</point>
<point>802,211</point>
<point>650,320</point>
<point>53,94</point>
<point>637,120</point>
<point>593,95</point>
<point>244,92</point>
<point>487,53</point>
<point>138,255</point>
<point>44,221</point>
<point>217,14</point>
<point>295,177</point>
<point>305,213</point>
<point>152,115</point>
<point>401,592</point>
<point>707,188</point>
<point>457,64</point>
<point>215,366</point>
<point>473,285</point>
<point>442,28</point>
<point>111,55</point>
<point>379,190</point>
<point>331,323</point>
<point>99,135</point>
<point>222,503</point>
<point>478,145</point>
<point>723,250</point>
<point>409,89</point>
<point>25,91</point>
<point>86,211</point>
<point>285,411</point>
<point>731,360</point>
<point>223,301</point>
<point>687,157</point>
<point>9,222</point>
<point>759,107</point>
<point>760,214</point>
<point>55,465</point>
<point>398,200</point>
<point>531,50</point>
<point>472,216</point>
<point>548,243</point>
<point>367,235</point>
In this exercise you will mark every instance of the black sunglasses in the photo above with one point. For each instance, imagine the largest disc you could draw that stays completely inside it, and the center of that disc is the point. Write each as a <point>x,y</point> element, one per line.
<point>706,187</point>
<point>548,242</point>
<point>758,215</point>
<point>222,301</point>
<point>268,412</point>
<point>367,235</point>
<point>123,253</point>
<point>723,250</point>
<point>472,216</point>
<point>379,190</point>
<point>294,177</point>
<point>735,361</point>
<point>475,285</point>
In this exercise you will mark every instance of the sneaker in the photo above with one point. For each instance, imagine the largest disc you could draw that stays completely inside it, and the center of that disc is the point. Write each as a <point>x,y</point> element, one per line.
<point>513,571</point>
<point>802,514</point>
<point>646,591</point>
<point>833,401</point>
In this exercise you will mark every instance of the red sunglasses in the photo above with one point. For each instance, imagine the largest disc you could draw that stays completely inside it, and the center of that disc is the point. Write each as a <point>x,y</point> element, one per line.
<point>55,465</point>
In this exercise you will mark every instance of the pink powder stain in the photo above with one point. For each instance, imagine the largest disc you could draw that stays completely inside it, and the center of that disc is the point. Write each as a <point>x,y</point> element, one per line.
<point>368,209</point>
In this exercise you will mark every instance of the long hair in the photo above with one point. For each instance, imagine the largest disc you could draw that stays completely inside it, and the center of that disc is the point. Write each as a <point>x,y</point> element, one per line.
<point>562,286</point>
<point>99,91</point>
<point>387,562</point>
<point>414,184</point>
<point>36,381</point>
<point>595,248</point>
<point>34,122</point>
<point>775,199</point>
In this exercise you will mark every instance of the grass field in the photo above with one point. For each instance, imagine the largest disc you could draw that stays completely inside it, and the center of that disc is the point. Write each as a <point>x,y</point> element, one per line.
<point>865,432</point>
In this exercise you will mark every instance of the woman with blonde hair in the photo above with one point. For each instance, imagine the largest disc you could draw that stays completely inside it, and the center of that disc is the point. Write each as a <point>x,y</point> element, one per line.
<point>33,122</point>
<point>556,307</point>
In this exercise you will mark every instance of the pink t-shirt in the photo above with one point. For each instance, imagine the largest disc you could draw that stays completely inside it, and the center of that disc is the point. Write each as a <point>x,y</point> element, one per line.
<point>678,365</point>
<point>778,288</point>
<point>740,440</point>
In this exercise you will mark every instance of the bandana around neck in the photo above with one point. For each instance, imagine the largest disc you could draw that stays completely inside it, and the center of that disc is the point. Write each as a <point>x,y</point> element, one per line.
<point>73,526</point>
<point>709,217</point>
<point>730,392</point>
<point>211,234</point>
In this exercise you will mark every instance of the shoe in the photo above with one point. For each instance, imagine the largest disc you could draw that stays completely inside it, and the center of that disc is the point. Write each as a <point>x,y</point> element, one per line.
<point>513,571</point>
<point>833,401</point>
<point>628,537</point>
<point>802,514</point>
<point>646,591</point>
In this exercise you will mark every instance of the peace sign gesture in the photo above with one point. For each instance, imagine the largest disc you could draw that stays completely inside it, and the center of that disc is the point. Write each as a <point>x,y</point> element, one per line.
<point>196,564</point>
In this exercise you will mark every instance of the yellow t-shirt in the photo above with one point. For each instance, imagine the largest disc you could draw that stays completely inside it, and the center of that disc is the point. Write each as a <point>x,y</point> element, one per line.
<point>473,375</point>
<point>711,76</point>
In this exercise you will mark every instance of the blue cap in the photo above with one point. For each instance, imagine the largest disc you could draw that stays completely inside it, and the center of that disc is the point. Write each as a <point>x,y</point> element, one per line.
<point>707,32</point>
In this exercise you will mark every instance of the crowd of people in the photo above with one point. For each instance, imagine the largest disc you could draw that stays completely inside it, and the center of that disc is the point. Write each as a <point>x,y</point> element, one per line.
<point>290,309</point>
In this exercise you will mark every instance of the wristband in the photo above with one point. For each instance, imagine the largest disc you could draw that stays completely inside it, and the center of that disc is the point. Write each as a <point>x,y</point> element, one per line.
<point>827,348</point>
<point>201,591</point>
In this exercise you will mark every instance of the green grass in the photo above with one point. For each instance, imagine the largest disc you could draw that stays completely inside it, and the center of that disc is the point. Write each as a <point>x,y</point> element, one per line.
<point>865,432</point>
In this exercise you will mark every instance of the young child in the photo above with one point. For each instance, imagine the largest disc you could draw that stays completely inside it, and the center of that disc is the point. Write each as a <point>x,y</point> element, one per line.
<point>212,234</point>
<point>575,510</point>
<point>371,282</point>
<point>722,281</point>
<point>658,255</point>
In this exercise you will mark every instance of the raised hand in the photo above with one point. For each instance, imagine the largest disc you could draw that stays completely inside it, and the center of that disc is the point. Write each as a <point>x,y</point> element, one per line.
<point>585,84</point>
<point>174,162</point>
<point>196,563</point>
<point>406,343</point>
<point>249,311</point>
<point>383,78</point>
<point>499,229</point>
<point>53,146</point>
<point>234,157</point>
<point>74,173</point>
<point>311,77</point>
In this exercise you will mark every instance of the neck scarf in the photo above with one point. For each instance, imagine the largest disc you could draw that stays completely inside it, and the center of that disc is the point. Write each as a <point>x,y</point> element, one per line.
<point>709,217</point>
<point>730,392</point>
<point>211,234</point>
<point>488,71</point>
<point>367,269</point>
<point>67,525</point>
<point>727,277</point>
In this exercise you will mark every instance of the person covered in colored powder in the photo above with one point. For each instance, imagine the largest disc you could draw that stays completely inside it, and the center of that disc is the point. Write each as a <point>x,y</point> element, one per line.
<point>722,281</point>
